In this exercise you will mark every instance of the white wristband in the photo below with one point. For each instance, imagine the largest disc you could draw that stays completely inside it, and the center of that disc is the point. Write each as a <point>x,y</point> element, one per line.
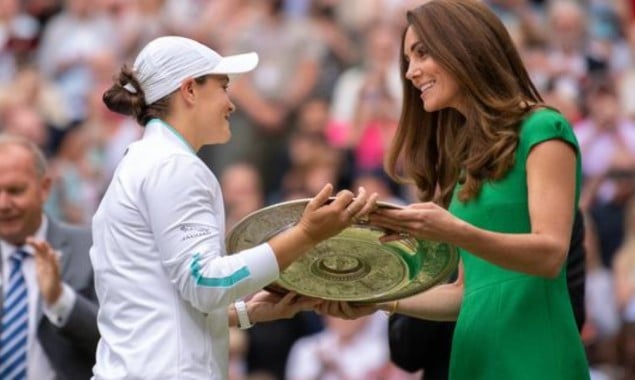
<point>243,318</point>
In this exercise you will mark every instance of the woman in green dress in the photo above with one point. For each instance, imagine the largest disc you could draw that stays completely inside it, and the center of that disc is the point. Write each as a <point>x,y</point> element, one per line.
<point>499,177</point>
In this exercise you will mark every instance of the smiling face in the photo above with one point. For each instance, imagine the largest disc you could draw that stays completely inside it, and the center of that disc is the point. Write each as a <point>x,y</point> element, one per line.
<point>22,194</point>
<point>213,110</point>
<point>438,87</point>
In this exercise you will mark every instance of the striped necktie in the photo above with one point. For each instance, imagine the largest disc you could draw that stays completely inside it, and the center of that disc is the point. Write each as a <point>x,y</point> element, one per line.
<point>15,322</point>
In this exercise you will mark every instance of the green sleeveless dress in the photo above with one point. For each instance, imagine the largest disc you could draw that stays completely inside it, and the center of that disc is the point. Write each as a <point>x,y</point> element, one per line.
<point>514,325</point>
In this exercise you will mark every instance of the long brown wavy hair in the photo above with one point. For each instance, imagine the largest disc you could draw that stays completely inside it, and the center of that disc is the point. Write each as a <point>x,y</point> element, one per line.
<point>436,149</point>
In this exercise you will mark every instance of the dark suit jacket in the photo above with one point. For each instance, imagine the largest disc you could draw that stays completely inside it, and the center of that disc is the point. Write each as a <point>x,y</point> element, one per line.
<point>420,344</point>
<point>71,349</point>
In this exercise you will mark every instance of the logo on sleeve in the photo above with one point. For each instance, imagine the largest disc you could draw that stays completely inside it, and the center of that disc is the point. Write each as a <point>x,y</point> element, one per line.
<point>191,231</point>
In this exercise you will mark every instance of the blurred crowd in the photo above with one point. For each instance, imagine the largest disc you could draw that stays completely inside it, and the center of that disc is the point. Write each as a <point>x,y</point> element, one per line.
<point>321,107</point>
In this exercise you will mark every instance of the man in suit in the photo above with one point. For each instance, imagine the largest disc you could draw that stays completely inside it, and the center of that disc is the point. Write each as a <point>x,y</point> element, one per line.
<point>48,306</point>
<point>417,344</point>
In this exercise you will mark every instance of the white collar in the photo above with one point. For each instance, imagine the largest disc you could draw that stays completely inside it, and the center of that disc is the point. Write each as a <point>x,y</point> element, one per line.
<point>161,128</point>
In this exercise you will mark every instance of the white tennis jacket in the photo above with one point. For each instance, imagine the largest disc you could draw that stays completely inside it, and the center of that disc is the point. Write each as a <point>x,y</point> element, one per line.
<point>162,277</point>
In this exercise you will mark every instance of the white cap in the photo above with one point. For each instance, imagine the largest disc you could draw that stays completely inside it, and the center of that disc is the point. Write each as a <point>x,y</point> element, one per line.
<point>165,62</point>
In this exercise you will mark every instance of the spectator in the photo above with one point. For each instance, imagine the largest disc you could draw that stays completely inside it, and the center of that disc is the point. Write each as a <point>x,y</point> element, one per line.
<point>378,63</point>
<point>69,42</point>
<point>242,191</point>
<point>19,32</point>
<point>27,122</point>
<point>78,182</point>
<point>601,331</point>
<point>624,276</point>
<point>268,97</point>
<point>607,144</point>
<point>30,88</point>
<point>345,349</point>
<point>49,318</point>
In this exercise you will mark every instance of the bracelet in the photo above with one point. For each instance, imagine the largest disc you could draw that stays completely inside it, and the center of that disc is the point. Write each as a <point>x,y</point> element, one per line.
<point>393,308</point>
<point>241,312</point>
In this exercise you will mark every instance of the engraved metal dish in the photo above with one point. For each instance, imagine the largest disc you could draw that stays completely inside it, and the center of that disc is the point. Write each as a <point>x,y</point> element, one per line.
<point>351,266</point>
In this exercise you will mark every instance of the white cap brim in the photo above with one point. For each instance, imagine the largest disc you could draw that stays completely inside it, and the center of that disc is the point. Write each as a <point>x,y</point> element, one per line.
<point>236,64</point>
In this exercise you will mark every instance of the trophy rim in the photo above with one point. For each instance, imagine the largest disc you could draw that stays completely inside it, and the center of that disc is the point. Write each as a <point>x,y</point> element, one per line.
<point>420,281</point>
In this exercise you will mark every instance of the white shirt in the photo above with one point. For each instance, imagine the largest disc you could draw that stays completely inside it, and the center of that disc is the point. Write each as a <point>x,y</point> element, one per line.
<point>38,365</point>
<point>162,277</point>
<point>325,356</point>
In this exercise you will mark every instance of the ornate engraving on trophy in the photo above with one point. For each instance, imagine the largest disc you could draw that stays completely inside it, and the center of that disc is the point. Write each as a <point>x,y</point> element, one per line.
<point>352,266</point>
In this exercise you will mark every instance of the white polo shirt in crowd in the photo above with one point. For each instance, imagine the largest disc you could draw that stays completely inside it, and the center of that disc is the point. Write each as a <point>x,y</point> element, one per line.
<point>163,280</point>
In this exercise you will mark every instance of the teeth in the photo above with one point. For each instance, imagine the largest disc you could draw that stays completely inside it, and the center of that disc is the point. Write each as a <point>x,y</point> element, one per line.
<point>426,86</point>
